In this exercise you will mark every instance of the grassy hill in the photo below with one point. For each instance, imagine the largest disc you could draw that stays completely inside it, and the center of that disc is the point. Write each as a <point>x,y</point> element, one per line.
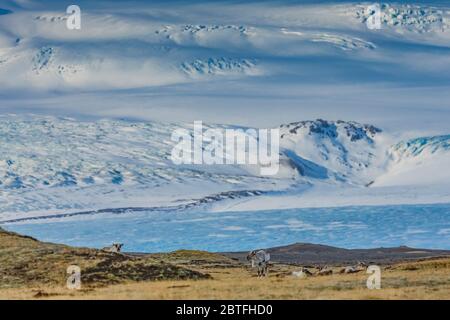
<point>27,262</point>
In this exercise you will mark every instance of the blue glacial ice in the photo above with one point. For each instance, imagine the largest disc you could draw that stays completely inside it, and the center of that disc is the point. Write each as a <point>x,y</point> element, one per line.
<point>420,226</point>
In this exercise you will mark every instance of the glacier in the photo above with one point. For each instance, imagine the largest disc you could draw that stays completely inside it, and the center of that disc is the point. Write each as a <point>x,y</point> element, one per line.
<point>275,62</point>
<point>60,167</point>
<point>86,115</point>
<point>360,227</point>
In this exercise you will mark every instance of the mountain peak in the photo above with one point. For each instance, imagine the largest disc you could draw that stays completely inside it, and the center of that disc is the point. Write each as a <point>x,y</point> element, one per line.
<point>331,129</point>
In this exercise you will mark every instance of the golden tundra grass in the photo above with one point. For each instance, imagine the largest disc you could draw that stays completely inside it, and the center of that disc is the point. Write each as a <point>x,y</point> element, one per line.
<point>30,269</point>
<point>416,280</point>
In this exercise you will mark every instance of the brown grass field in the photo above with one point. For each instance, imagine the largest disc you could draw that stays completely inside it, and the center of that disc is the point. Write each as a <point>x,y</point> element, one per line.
<point>419,280</point>
<point>30,269</point>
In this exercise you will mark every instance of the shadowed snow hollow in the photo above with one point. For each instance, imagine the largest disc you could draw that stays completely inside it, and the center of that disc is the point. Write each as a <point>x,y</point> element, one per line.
<point>421,161</point>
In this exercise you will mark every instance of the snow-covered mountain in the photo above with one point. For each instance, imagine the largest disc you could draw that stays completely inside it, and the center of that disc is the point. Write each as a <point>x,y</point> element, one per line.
<point>339,150</point>
<point>55,165</point>
<point>146,68</point>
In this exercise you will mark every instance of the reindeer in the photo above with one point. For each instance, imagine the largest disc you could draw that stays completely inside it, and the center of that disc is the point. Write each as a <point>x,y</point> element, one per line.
<point>260,259</point>
<point>360,266</point>
<point>324,271</point>
<point>115,248</point>
<point>303,273</point>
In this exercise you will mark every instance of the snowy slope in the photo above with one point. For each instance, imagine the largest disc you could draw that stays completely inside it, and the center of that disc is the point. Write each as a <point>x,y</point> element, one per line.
<point>345,151</point>
<point>273,62</point>
<point>55,165</point>
<point>106,164</point>
<point>152,44</point>
<point>421,161</point>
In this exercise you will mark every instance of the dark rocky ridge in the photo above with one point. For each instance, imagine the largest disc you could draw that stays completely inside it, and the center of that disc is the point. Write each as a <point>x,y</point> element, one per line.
<point>355,131</point>
<point>316,254</point>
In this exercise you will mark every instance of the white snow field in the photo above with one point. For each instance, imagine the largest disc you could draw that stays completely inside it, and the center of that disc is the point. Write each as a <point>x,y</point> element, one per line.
<point>86,115</point>
<point>62,167</point>
<point>247,63</point>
